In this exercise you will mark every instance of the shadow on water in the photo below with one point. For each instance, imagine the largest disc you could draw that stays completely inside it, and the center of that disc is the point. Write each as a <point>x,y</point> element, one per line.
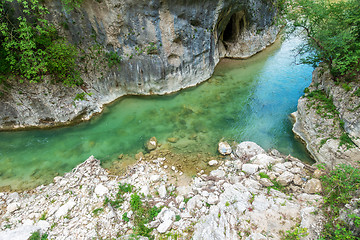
<point>244,100</point>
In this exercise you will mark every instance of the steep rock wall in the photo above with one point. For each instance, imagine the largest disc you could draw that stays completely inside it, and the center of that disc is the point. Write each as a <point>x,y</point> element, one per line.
<point>322,134</point>
<point>165,45</point>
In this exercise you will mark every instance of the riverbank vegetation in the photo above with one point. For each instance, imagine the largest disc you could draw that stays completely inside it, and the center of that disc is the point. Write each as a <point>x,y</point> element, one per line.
<point>332,34</point>
<point>31,47</point>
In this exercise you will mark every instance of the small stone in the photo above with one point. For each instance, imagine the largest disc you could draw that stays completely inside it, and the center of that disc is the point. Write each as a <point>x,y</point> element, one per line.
<point>224,148</point>
<point>139,156</point>
<point>298,180</point>
<point>313,186</point>
<point>179,199</point>
<point>13,197</point>
<point>151,144</point>
<point>217,173</point>
<point>295,170</point>
<point>166,216</point>
<point>162,191</point>
<point>101,190</point>
<point>285,178</point>
<point>212,199</point>
<point>63,210</point>
<point>318,173</point>
<point>173,168</point>
<point>266,182</point>
<point>213,163</point>
<point>121,156</point>
<point>288,164</point>
<point>155,178</point>
<point>12,207</point>
<point>250,168</point>
<point>172,139</point>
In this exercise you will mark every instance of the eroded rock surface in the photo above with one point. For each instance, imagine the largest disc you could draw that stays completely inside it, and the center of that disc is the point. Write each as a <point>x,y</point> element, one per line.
<point>325,132</point>
<point>164,45</point>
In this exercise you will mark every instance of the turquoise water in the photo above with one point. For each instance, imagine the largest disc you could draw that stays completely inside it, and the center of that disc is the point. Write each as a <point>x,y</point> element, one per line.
<point>244,100</point>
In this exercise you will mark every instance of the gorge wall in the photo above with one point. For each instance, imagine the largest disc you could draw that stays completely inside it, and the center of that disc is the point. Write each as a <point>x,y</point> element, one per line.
<point>328,120</point>
<point>165,45</point>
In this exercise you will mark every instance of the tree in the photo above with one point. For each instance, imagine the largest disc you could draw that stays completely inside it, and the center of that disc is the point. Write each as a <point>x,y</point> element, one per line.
<point>332,33</point>
<point>30,47</point>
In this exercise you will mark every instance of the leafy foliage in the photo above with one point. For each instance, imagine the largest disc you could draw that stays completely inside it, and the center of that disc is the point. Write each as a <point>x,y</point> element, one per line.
<point>70,5</point>
<point>295,234</point>
<point>30,46</point>
<point>38,236</point>
<point>339,187</point>
<point>325,106</point>
<point>332,30</point>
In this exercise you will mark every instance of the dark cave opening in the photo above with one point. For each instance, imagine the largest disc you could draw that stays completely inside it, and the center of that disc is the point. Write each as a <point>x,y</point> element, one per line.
<point>234,27</point>
<point>229,32</point>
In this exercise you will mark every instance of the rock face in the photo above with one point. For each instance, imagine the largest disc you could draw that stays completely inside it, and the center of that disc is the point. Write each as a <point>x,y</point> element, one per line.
<point>164,45</point>
<point>323,131</point>
<point>227,204</point>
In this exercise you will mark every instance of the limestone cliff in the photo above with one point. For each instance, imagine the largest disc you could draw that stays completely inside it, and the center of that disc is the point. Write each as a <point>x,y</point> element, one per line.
<point>165,45</point>
<point>327,133</point>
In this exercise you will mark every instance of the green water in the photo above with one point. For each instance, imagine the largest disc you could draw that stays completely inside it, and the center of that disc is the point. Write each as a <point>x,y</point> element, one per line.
<point>244,100</point>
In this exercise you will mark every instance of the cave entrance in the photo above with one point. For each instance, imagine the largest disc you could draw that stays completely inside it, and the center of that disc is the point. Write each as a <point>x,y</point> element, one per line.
<point>234,27</point>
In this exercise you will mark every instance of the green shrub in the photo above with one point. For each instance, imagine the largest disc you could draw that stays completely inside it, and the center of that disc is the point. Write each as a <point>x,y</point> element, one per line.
<point>346,140</point>
<point>263,175</point>
<point>339,187</point>
<point>30,47</point>
<point>295,234</point>
<point>38,236</point>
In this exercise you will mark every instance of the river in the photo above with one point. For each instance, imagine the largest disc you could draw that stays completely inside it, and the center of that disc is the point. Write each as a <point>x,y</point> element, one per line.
<point>245,100</point>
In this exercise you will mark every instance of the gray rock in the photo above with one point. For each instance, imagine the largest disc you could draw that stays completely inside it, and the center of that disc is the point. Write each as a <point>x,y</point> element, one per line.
<point>217,173</point>
<point>166,217</point>
<point>318,173</point>
<point>155,178</point>
<point>279,168</point>
<point>179,59</point>
<point>12,207</point>
<point>213,163</point>
<point>263,160</point>
<point>20,233</point>
<point>248,150</point>
<point>266,182</point>
<point>298,180</point>
<point>250,168</point>
<point>101,190</point>
<point>162,191</point>
<point>313,186</point>
<point>212,199</point>
<point>64,209</point>
<point>12,197</point>
<point>285,178</point>
<point>224,148</point>
<point>151,144</point>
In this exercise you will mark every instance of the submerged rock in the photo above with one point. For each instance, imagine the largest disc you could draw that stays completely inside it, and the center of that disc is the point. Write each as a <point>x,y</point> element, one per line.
<point>151,144</point>
<point>224,148</point>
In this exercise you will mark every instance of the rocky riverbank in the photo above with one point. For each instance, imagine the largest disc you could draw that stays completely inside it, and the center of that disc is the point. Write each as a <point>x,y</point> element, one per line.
<point>328,120</point>
<point>160,48</point>
<point>250,194</point>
